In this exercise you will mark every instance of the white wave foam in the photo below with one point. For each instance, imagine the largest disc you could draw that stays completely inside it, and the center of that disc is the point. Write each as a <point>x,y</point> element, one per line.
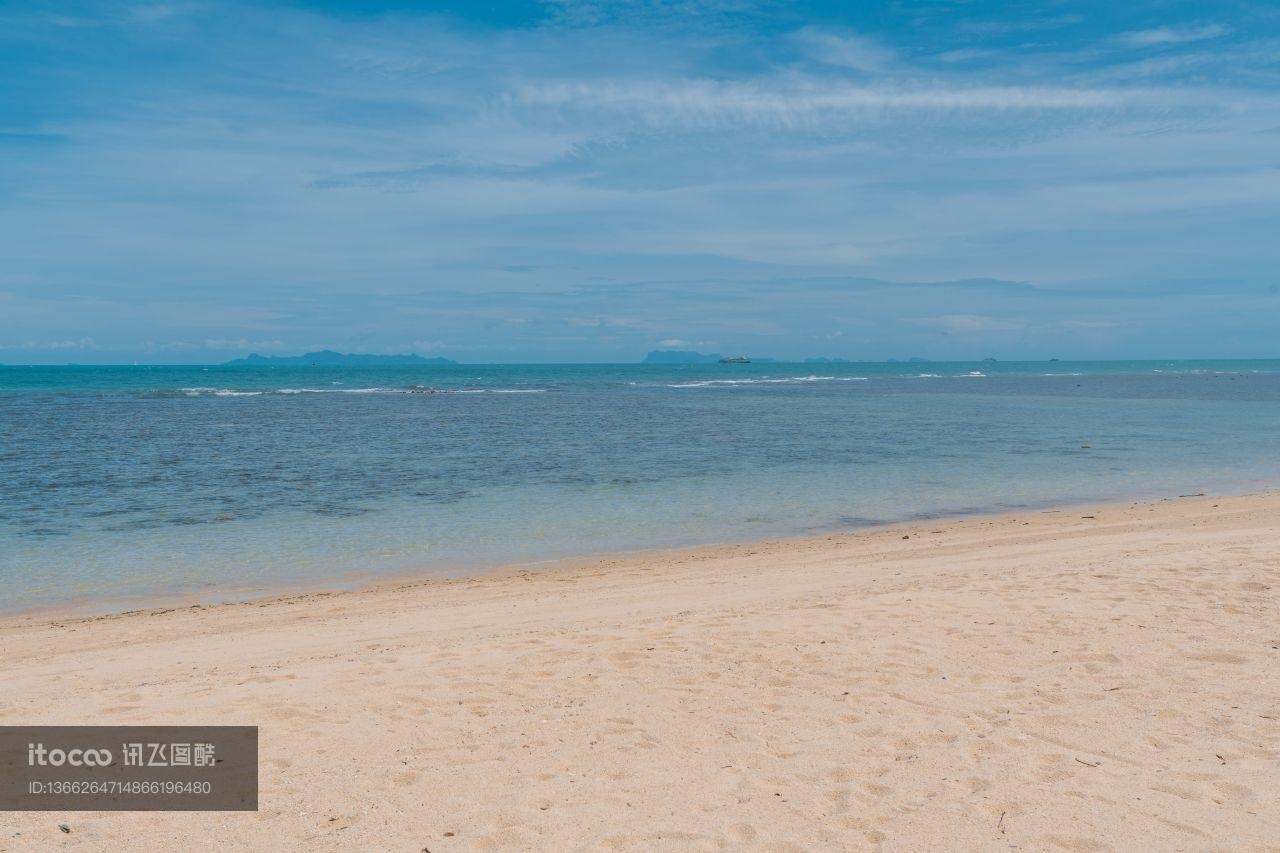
<point>712,383</point>
<point>342,391</point>
<point>418,389</point>
<point>219,392</point>
<point>487,391</point>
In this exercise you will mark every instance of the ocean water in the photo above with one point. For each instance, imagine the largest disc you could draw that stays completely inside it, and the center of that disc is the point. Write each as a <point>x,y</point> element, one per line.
<point>118,482</point>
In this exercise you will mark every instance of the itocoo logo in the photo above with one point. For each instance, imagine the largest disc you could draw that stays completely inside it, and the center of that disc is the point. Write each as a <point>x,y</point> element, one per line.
<point>38,756</point>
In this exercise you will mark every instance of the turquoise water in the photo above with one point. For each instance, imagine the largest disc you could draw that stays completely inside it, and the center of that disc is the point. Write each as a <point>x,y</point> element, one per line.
<point>131,481</point>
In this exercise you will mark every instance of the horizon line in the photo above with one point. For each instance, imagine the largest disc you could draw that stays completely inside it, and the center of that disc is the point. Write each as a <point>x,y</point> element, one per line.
<point>762,360</point>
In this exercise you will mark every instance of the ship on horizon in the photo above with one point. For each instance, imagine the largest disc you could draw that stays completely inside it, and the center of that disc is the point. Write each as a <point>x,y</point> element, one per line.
<point>735,359</point>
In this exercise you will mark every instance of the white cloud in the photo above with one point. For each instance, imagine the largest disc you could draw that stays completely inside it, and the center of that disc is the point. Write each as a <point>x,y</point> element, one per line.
<point>1091,324</point>
<point>620,158</point>
<point>1006,27</point>
<point>959,324</point>
<point>1173,35</point>
<point>792,101</point>
<point>150,13</point>
<point>81,343</point>
<point>845,51</point>
<point>966,54</point>
<point>241,343</point>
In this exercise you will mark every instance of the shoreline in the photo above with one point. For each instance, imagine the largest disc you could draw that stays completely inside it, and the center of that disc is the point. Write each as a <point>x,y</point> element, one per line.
<point>1077,680</point>
<point>87,607</point>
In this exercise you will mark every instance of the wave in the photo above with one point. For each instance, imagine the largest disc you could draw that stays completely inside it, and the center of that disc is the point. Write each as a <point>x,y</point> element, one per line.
<point>416,389</point>
<point>219,392</point>
<point>340,391</point>
<point>711,383</point>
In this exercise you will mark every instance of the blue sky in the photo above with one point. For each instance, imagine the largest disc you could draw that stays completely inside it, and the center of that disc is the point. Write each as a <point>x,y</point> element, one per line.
<point>586,181</point>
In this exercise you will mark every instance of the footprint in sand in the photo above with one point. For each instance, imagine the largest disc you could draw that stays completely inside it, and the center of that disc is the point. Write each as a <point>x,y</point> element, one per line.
<point>1219,657</point>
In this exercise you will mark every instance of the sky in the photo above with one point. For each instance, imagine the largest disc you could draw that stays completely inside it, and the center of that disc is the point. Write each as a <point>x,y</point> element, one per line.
<point>583,180</point>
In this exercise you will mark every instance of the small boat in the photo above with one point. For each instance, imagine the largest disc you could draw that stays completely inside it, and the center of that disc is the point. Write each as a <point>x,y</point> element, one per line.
<point>735,359</point>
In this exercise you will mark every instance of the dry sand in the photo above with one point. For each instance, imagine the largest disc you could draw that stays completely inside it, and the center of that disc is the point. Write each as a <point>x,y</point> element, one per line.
<point>1100,679</point>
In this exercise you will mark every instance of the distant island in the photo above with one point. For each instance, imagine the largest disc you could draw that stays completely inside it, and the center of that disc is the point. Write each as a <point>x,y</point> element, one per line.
<point>329,358</point>
<point>677,356</point>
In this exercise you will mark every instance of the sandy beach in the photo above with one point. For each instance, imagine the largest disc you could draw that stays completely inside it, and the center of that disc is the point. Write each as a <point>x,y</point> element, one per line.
<point>1081,679</point>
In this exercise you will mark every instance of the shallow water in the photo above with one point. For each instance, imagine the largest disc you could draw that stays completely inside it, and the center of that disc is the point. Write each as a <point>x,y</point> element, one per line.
<point>125,481</point>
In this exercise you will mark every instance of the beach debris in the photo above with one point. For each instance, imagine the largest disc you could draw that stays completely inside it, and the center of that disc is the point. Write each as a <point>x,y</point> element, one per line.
<point>64,827</point>
<point>1088,763</point>
<point>1220,758</point>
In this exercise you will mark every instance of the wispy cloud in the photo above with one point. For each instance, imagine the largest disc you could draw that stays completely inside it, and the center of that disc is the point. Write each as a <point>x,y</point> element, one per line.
<point>77,344</point>
<point>806,101</point>
<point>969,324</point>
<point>845,50</point>
<point>240,344</point>
<point>1007,26</point>
<point>1173,35</point>
<point>587,181</point>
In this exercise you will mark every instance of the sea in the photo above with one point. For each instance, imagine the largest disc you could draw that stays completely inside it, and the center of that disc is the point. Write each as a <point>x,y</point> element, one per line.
<point>129,483</point>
